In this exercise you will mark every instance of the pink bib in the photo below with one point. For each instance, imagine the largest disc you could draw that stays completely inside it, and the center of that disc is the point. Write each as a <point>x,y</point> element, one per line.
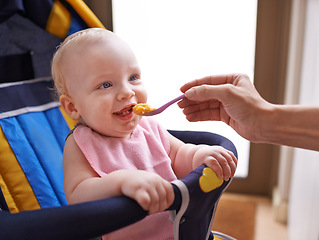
<point>148,150</point>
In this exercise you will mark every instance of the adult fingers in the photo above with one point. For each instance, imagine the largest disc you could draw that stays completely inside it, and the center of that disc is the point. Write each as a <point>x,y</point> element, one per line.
<point>208,92</point>
<point>210,80</point>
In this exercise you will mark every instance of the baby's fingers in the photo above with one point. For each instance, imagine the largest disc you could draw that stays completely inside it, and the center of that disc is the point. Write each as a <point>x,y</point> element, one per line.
<point>217,165</point>
<point>232,161</point>
<point>169,194</point>
<point>228,162</point>
<point>223,165</point>
<point>143,198</point>
<point>226,169</point>
<point>163,197</point>
<point>149,200</point>
<point>156,198</point>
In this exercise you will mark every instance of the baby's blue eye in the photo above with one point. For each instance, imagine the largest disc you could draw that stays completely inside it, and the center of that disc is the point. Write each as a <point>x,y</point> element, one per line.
<point>134,78</point>
<point>106,85</point>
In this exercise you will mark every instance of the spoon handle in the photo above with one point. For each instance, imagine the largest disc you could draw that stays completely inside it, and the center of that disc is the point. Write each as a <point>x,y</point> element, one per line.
<point>166,105</point>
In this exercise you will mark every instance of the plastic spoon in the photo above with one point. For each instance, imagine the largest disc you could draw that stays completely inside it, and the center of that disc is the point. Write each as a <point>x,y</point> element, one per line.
<point>162,108</point>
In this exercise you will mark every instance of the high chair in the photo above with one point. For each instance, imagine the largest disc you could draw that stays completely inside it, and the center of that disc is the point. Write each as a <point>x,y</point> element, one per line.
<point>31,144</point>
<point>32,133</point>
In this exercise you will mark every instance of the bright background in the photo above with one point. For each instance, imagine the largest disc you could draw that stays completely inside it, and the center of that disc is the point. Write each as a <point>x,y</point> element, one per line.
<point>177,41</point>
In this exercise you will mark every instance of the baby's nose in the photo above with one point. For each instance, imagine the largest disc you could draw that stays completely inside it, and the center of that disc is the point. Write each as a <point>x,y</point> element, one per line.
<point>126,93</point>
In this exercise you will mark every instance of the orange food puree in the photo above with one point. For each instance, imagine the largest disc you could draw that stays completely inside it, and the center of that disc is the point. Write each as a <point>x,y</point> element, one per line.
<point>142,108</point>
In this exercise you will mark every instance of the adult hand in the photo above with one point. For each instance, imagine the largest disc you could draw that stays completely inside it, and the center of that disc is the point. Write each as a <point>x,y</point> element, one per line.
<point>232,99</point>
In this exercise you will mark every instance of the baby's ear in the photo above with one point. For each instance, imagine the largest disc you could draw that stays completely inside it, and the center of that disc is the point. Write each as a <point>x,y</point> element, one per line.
<point>69,107</point>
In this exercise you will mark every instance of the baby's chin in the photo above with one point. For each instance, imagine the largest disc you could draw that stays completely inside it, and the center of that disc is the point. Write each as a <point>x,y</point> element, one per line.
<point>122,132</point>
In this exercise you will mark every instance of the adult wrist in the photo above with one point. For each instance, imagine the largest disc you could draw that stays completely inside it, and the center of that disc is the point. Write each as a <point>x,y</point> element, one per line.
<point>268,115</point>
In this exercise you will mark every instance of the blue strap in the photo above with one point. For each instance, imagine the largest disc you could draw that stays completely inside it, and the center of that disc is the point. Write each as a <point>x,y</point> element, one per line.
<point>41,136</point>
<point>39,152</point>
<point>58,125</point>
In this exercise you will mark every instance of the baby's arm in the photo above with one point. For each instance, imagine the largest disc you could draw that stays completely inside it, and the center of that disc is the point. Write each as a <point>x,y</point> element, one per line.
<point>187,157</point>
<point>82,183</point>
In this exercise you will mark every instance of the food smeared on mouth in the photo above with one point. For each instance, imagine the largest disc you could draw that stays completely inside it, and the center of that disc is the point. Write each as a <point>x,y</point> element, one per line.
<point>142,108</point>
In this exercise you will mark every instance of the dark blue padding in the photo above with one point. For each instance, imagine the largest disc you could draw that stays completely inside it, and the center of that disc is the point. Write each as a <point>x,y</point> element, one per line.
<point>198,137</point>
<point>37,11</point>
<point>81,221</point>
<point>25,95</point>
<point>16,67</point>
<point>196,221</point>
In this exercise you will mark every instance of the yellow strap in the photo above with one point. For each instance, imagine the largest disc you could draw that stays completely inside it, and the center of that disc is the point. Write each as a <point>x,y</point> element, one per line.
<point>217,238</point>
<point>59,20</point>
<point>16,188</point>
<point>8,197</point>
<point>85,13</point>
<point>71,123</point>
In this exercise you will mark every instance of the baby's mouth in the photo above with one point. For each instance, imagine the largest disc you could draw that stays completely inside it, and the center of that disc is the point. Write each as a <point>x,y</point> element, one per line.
<point>125,111</point>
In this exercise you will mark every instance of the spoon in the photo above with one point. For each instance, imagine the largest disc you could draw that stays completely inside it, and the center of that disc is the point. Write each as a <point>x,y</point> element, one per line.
<point>162,108</point>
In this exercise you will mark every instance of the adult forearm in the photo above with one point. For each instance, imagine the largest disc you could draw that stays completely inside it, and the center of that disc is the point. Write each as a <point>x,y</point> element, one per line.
<point>291,125</point>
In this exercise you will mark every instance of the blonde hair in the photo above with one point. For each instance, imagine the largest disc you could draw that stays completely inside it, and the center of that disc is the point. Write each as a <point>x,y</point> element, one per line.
<point>90,34</point>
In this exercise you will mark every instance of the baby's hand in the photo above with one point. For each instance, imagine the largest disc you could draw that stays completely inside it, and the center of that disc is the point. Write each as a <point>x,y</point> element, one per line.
<point>222,161</point>
<point>152,192</point>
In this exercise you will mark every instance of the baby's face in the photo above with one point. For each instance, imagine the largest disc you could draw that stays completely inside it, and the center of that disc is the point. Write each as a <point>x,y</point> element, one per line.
<point>103,80</point>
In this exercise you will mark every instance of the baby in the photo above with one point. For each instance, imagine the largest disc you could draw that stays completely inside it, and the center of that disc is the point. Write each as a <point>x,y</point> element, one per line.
<point>112,151</point>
